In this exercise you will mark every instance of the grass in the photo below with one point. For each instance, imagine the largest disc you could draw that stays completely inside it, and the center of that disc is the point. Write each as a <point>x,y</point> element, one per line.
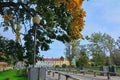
<point>11,75</point>
<point>118,70</point>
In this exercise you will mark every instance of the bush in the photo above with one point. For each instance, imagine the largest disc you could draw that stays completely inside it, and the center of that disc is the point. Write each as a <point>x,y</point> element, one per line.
<point>57,66</point>
<point>7,78</point>
<point>73,66</point>
<point>64,66</point>
<point>21,72</point>
<point>92,64</point>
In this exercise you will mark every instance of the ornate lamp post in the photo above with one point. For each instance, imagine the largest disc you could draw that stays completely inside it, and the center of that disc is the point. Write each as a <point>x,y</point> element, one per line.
<point>36,21</point>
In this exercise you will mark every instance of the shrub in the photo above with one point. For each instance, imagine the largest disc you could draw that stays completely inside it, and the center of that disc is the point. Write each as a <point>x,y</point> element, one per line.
<point>64,66</point>
<point>57,66</point>
<point>21,72</point>
<point>7,78</point>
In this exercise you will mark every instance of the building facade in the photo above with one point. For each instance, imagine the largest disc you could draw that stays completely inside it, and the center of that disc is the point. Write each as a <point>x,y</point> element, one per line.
<point>52,62</point>
<point>58,61</point>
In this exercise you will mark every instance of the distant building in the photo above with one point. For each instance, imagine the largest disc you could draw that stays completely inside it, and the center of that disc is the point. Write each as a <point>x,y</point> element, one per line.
<point>3,66</point>
<point>44,64</point>
<point>57,61</point>
<point>52,62</point>
<point>19,65</point>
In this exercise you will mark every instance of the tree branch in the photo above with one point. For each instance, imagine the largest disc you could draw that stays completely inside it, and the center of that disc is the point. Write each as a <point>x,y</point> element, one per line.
<point>13,4</point>
<point>8,4</point>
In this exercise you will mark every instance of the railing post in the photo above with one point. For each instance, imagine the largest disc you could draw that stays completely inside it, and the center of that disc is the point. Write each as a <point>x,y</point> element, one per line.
<point>53,74</point>
<point>67,77</point>
<point>29,73</point>
<point>108,75</point>
<point>84,72</point>
<point>38,73</point>
<point>94,74</point>
<point>48,72</point>
<point>58,76</point>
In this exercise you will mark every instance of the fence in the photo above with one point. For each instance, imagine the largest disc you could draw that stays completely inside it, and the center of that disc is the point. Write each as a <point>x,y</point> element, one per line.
<point>74,74</point>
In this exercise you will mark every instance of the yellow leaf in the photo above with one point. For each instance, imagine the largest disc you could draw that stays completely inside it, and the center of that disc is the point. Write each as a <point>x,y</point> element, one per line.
<point>7,17</point>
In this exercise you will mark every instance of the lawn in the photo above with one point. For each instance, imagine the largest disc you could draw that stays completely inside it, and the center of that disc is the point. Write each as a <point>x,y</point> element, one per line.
<point>118,70</point>
<point>11,75</point>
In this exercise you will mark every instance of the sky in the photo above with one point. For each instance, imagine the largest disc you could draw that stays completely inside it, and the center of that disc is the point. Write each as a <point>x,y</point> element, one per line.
<point>101,16</point>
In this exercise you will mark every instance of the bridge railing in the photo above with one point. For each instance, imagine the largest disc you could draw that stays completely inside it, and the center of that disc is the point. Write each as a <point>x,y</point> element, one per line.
<point>95,73</point>
<point>67,76</point>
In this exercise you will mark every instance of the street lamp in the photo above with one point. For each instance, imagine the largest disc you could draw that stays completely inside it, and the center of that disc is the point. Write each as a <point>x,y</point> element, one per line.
<point>36,21</point>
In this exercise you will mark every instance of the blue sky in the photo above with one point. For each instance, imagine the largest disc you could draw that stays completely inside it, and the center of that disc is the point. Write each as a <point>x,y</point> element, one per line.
<point>102,16</point>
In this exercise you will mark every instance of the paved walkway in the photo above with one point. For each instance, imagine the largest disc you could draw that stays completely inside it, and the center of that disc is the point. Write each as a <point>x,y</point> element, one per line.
<point>82,77</point>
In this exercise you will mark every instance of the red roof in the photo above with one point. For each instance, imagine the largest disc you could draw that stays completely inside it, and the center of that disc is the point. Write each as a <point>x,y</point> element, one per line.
<point>53,59</point>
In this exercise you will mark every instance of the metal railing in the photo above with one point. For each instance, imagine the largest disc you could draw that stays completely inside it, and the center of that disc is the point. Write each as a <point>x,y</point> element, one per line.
<point>94,74</point>
<point>67,76</point>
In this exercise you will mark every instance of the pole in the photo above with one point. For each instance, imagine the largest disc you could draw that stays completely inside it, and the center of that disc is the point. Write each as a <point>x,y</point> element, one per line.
<point>34,54</point>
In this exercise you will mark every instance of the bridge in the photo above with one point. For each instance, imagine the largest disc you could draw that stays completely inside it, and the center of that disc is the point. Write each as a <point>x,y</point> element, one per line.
<point>62,74</point>
<point>59,75</point>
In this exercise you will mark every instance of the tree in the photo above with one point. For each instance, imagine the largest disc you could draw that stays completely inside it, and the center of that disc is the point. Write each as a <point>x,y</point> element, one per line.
<point>50,19</point>
<point>109,43</point>
<point>83,59</point>
<point>71,50</point>
<point>14,52</point>
<point>82,56</point>
<point>96,48</point>
<point>118,42</point>
<point>116,52</point>
<point>102,44</point>
<point>3,43</point>
<point>11,50</point>
<point>116,57</point>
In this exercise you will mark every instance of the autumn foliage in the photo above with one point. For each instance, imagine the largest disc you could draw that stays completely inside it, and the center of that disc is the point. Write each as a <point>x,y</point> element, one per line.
<point>73,7</point>
<point>77,13</point>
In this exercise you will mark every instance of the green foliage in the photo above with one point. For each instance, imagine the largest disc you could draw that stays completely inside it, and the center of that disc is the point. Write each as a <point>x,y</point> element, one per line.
<point>83,60</point>
<point>7,78</point>
<point>118,42</point>
<point>92,64</point>
<point>12,75</point>
<point>40,58</point>
<point>54,23</point>
<point>57,66</point>
<point>98,59</point>
<point>11,50</point>
<point>64,66</point>
<point>101,45</point>
<point>116,57</point>
<point>71,50</point>
<point>3,43</point>
<point>72,66</point>
<point>21,72</point>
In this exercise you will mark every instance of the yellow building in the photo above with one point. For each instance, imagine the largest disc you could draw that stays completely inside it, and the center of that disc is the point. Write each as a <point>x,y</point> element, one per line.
<point>58,61</point>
